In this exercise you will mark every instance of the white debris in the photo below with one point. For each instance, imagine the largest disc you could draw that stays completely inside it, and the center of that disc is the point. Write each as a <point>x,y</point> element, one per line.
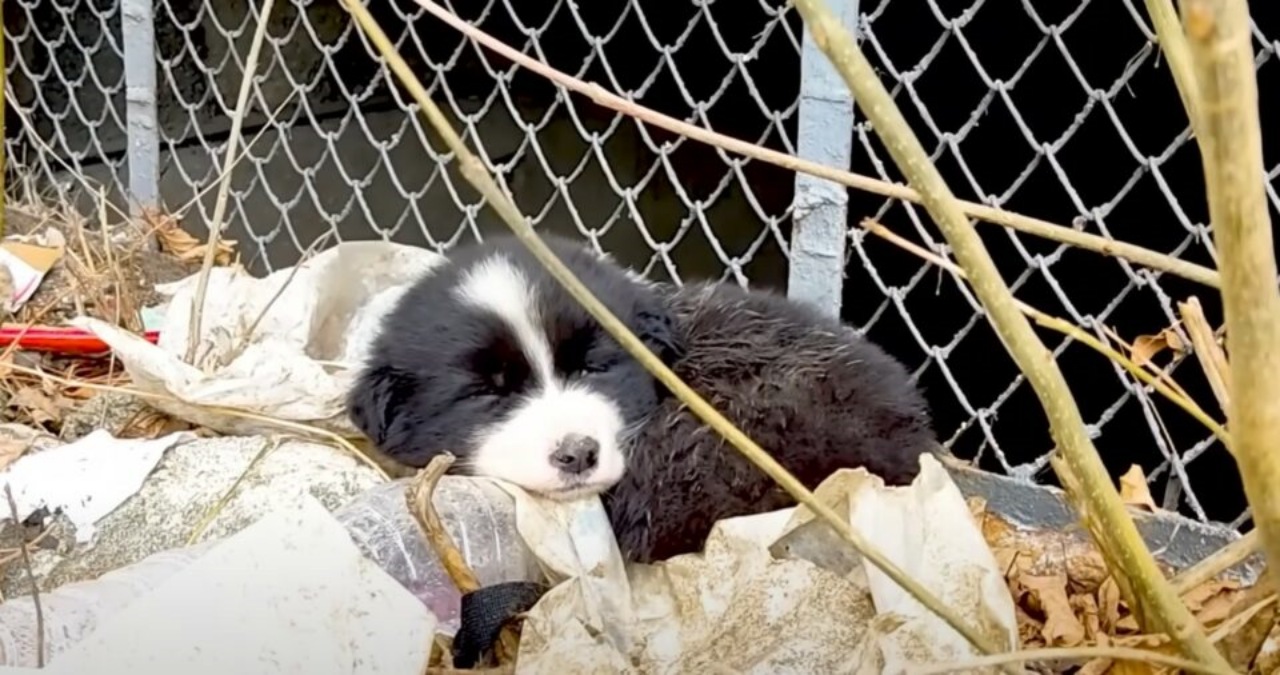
<point>84,480</point>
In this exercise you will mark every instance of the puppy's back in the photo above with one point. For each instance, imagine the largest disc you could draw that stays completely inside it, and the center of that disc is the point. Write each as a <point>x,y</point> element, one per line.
<point>802,385</point>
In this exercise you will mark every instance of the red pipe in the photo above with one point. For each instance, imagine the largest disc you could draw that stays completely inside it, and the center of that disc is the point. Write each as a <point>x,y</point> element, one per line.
<point>59,340</point>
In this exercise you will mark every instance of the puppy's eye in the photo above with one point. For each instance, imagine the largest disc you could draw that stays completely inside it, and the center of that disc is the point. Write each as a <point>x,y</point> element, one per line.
<point>595,367</point>
<point>498,380</point>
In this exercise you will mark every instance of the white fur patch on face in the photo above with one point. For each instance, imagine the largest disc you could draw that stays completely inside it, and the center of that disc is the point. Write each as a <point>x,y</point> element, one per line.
<point>518,449</point>
<point>496,286</point>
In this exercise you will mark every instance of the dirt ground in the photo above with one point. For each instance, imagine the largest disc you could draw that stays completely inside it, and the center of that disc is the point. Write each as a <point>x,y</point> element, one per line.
<point>110,276</point>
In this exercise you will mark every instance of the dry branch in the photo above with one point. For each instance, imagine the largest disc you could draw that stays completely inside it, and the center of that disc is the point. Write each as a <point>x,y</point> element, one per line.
<point>1220,561</point>
<point>1231,151</point>
<point>1173,43</point>
<point>419,497</point>
<point>1077,463</point>
<point>473,170</point>
<point>1033,226</point>
<point>220,206</point>
<point>1212,359</point>
<point>31,576</point>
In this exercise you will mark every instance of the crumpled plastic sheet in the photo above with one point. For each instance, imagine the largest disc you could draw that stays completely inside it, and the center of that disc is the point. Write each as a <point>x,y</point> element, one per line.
<point>297,363</point>
<point>778,592</point>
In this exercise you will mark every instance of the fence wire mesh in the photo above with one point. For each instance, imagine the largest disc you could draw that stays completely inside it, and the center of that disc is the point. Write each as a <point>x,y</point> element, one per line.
<point>1059,110</point>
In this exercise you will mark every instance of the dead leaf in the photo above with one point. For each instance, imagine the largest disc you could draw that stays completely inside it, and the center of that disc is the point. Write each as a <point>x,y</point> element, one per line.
<point>148,423</point>
<point>1086,609</point>
<point>1240,637</point>
<point>1145,347</point>
<point>1134,490</point>
<point>1209,594</point>
<point>1127,625</point>
<point>182,245</point>
<point>1061,627</point>
<point>1087,568</point>
<point>40,406</point>
<point>1109,605</point>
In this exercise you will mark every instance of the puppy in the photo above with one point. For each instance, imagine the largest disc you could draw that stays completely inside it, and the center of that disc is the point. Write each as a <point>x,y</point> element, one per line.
<point>489,358</point>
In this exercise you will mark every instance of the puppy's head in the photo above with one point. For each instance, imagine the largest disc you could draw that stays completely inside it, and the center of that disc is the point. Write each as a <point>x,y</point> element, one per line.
<point>488,358</point>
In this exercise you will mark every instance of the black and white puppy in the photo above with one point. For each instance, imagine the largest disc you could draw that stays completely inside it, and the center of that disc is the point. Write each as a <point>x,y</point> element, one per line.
<point>487,357</point>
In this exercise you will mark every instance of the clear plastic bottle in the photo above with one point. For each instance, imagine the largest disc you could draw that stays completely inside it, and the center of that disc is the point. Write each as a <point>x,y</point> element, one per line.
<point>479,516</point>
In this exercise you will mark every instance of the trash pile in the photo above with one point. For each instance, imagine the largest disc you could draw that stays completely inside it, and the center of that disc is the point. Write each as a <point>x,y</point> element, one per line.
<point>222,515</point>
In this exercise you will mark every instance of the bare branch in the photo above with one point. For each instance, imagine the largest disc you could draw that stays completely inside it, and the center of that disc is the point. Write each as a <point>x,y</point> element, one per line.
<point>1231,151</point>
<point>220,206</point>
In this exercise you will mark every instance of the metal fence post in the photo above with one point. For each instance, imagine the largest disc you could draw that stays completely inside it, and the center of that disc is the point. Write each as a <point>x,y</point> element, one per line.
<point>824,134</point>
<point>139,28</point>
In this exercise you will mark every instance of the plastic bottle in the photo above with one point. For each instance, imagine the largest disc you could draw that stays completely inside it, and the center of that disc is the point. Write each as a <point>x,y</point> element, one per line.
<point>478,515</point>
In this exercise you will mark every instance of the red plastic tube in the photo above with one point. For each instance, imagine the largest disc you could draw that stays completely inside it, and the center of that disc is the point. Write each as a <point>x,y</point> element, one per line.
<point>59,340</point>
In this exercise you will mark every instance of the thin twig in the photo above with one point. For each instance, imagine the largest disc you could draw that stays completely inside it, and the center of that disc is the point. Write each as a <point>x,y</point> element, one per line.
<point>31,576</point>
<point>1208,352</point>
<point>1076,461</point>
<point>1033,226</point>
<point>471,169</point>
<point>419,498</point>
<point>1231,152</point>
<point>1164,374</point>
<point>224,188</point>
<point>1221,560</point>
<point>8,555</point>
<point>268,446</point>
<point>1072,653</point>
<point>1161,383</point>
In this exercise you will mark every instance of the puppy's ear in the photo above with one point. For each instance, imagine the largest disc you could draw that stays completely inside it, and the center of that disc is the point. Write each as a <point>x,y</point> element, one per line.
<point>656,328</point>
<point>376,399</point>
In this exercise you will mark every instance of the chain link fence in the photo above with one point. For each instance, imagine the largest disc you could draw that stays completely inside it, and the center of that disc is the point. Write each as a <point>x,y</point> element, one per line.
<point>1063,111</point>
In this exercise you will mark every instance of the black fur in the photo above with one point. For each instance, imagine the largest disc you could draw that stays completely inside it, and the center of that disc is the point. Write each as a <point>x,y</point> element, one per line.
<point>803,386</point>
<point>429,380</point>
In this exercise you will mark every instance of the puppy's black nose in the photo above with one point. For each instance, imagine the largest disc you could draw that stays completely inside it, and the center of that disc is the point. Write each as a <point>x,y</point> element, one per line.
<point>576,454</point>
